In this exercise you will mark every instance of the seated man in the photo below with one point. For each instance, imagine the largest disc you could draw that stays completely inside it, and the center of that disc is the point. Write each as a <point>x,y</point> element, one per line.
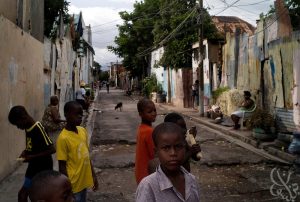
<point>247,105</point>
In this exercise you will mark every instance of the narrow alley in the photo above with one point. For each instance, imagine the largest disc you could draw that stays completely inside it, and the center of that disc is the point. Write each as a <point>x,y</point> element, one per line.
<point>227,171</point>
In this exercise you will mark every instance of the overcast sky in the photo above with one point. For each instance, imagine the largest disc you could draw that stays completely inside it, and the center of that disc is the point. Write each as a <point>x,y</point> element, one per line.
<point>103,17</point>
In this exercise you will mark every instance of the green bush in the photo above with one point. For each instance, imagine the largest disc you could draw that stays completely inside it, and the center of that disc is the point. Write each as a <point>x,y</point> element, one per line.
<point>150,85</point>
<point>216,93</point>
<point>261,119</point>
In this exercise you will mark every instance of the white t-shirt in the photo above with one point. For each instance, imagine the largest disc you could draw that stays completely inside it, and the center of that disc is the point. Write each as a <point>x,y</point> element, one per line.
<point>79,94</point>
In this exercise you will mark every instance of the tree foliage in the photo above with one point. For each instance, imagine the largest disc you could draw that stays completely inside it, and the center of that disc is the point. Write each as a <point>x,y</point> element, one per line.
<point>294,11</point>
<point>178,48</point>
<point>155,23</point>
<point>135,35</point>
<point>51,12</point>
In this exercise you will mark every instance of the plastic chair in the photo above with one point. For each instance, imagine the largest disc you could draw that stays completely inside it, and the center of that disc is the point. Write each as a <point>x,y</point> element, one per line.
<point>244,118</point>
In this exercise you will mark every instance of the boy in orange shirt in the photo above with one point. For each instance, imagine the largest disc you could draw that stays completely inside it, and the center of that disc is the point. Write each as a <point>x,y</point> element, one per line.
<point>144,143</point>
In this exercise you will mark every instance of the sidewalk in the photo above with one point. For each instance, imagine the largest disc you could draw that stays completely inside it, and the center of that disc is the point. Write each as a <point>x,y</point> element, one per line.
<point>241,137</point>
<point>10,185</point>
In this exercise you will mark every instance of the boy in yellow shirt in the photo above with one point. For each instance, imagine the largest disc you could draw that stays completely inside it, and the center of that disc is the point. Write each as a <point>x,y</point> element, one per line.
<point>73,153</point>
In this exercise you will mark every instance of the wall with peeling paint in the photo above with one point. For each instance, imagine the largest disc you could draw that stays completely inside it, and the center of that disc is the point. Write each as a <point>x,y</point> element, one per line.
<point>296,82</point>
<point>22,83</point>
<point>279,70</point>
<point>8,8</point>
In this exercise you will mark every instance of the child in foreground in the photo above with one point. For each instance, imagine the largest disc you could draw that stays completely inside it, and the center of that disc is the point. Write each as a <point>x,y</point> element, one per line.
<point>144,143</point>
<point>38,149</point>
<point>170,182</point>
<point>51,186</point>
<point>191,151</point>
<point>73,153</point>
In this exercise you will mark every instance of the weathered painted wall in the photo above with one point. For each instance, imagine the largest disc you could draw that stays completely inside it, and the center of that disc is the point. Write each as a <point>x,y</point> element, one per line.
<point>8,8</point>
<point>64,72</point>
<point>28,14</point>
<point>279,68</point>
<point>296,85</point>
<point>156,69</point>
<point>279,74</point>
<point>37,19</point>
<point>178,95</point>
<point>21,81</point>
<point>228,71</point>
<point>249,64</point>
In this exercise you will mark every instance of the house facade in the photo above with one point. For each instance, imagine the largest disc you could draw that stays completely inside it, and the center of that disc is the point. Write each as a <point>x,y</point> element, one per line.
<point>176,83</point>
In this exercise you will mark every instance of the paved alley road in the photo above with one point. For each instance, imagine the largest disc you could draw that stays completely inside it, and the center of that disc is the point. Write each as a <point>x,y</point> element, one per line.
<point>227,172</point>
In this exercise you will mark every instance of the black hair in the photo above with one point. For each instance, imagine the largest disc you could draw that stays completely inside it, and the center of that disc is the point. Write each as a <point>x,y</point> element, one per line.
<point>53,98</point>
<point>70,106</point>
<point>166,127</point>
<point>173,117</point>
<point>16,113</point>
<point>40,181</point>
<point>142,104</point>
<point>247,93</point>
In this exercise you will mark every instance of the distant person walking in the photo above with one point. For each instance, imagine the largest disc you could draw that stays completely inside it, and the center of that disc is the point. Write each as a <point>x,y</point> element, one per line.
<point>195,93</point>
<point>107,87</point>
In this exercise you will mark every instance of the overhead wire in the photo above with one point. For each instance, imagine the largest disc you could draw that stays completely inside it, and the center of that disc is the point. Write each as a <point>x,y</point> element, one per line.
<point>154,13</point>
<point>148,18</point>
<point>229,6</point>
<point>169,36</point>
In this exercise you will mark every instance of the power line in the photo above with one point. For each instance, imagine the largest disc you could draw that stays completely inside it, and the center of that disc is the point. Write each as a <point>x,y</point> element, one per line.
<point>151,14</point>
<point>177,28</point>
<point>251,4</point>
<point>168,37</point>
<point>227,6</point>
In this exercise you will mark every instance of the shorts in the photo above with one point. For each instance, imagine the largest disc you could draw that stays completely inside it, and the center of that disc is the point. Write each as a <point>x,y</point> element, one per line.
<point>27,183</point>
<point>194,93</point>
<point>80,196</point>
<point>240,114</point>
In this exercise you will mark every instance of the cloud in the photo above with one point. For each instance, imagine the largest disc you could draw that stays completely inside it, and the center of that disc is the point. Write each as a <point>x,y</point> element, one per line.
<point>114,4</point>
<point>102,54</point>
<point>103,16</point>
<point>246,10</point>
<point>103,21</point>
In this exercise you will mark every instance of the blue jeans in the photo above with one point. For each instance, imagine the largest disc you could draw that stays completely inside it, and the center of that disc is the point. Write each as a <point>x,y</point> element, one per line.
<point>80,196</point>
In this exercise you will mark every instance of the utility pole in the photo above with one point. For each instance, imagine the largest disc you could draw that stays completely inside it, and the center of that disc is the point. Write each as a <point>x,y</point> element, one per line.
<point>201,55</point>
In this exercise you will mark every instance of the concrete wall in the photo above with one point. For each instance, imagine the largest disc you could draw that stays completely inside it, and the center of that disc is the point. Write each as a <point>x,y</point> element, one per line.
<point>65,72</point>
<point>8,8</point>
<point>37,19</point>
<point>279,68</point>
<point>28,13</point>
<point>177,88</point>
<point>296,86</point>
<point>21,81</point>
<point>158,70</point>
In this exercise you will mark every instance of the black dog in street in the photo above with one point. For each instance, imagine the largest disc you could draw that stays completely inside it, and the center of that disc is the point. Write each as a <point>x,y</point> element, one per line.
<point>119,105</point>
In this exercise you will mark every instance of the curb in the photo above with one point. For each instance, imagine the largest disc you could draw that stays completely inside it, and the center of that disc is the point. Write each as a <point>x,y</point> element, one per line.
<point>90,118</point>
<point>257,147</point>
